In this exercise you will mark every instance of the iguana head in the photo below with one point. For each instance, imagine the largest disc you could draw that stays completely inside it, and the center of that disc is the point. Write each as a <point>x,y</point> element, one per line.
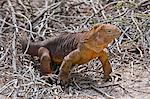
<point>100,36</point>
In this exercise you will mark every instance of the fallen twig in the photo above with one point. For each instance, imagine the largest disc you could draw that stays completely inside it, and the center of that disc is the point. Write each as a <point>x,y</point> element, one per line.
<point>52,7</point>
<point>101,92</point>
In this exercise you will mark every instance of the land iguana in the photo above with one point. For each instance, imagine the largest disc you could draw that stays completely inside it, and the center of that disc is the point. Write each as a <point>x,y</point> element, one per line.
<point>70,49</point>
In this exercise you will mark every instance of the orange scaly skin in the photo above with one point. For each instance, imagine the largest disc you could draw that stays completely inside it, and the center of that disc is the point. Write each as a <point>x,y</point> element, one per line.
<point>75,48</point>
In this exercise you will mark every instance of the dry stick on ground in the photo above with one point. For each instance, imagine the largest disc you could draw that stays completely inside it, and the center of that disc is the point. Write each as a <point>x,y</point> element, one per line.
<point>143,3</point>
<point>93,6</point>
<point>93,14</point>
<point>103,12</point>
<point>142,39</point>
<point>14,36</point>
<point>117,84</point>
<point>29,23</point>
<point>43,22</point>
<point>31,35</point>
<point>24,29</point>
<point>3,23</point>
<point>41,25</point>
<point>105,95</point>
<point>14,46</point>
<point>137,90</point>
<point>33,79</point>
<point>134,44</point>
<point>21,3</point>
<point>7,85</point>
<point>14,90</point>
<point>4,55</point>
<point>141,34</point>
<point>124,89</point>
<point>122,14</point>
<point>76,84</point>
<point>52,7</point>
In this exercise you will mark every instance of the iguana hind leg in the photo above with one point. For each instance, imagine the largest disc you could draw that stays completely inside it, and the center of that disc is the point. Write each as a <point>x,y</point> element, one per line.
<point>45,61</point>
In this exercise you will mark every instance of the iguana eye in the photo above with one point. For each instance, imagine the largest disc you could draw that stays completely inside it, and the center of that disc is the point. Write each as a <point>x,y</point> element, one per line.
<point>109,31</point>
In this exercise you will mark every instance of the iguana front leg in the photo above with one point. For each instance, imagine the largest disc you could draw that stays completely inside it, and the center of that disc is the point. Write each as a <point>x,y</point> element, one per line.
<point>71,59</point>
<point>103,57</point>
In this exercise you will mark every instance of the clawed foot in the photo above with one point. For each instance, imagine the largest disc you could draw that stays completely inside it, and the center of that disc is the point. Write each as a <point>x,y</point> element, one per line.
<point>114,77</point>
<point>107,78</point>
<point>51,78</point>
<point>63,80</point>
<point>64,84</point>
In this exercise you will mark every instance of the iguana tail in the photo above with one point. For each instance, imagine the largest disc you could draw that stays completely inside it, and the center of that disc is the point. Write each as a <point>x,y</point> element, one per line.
<point>29,47</point>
